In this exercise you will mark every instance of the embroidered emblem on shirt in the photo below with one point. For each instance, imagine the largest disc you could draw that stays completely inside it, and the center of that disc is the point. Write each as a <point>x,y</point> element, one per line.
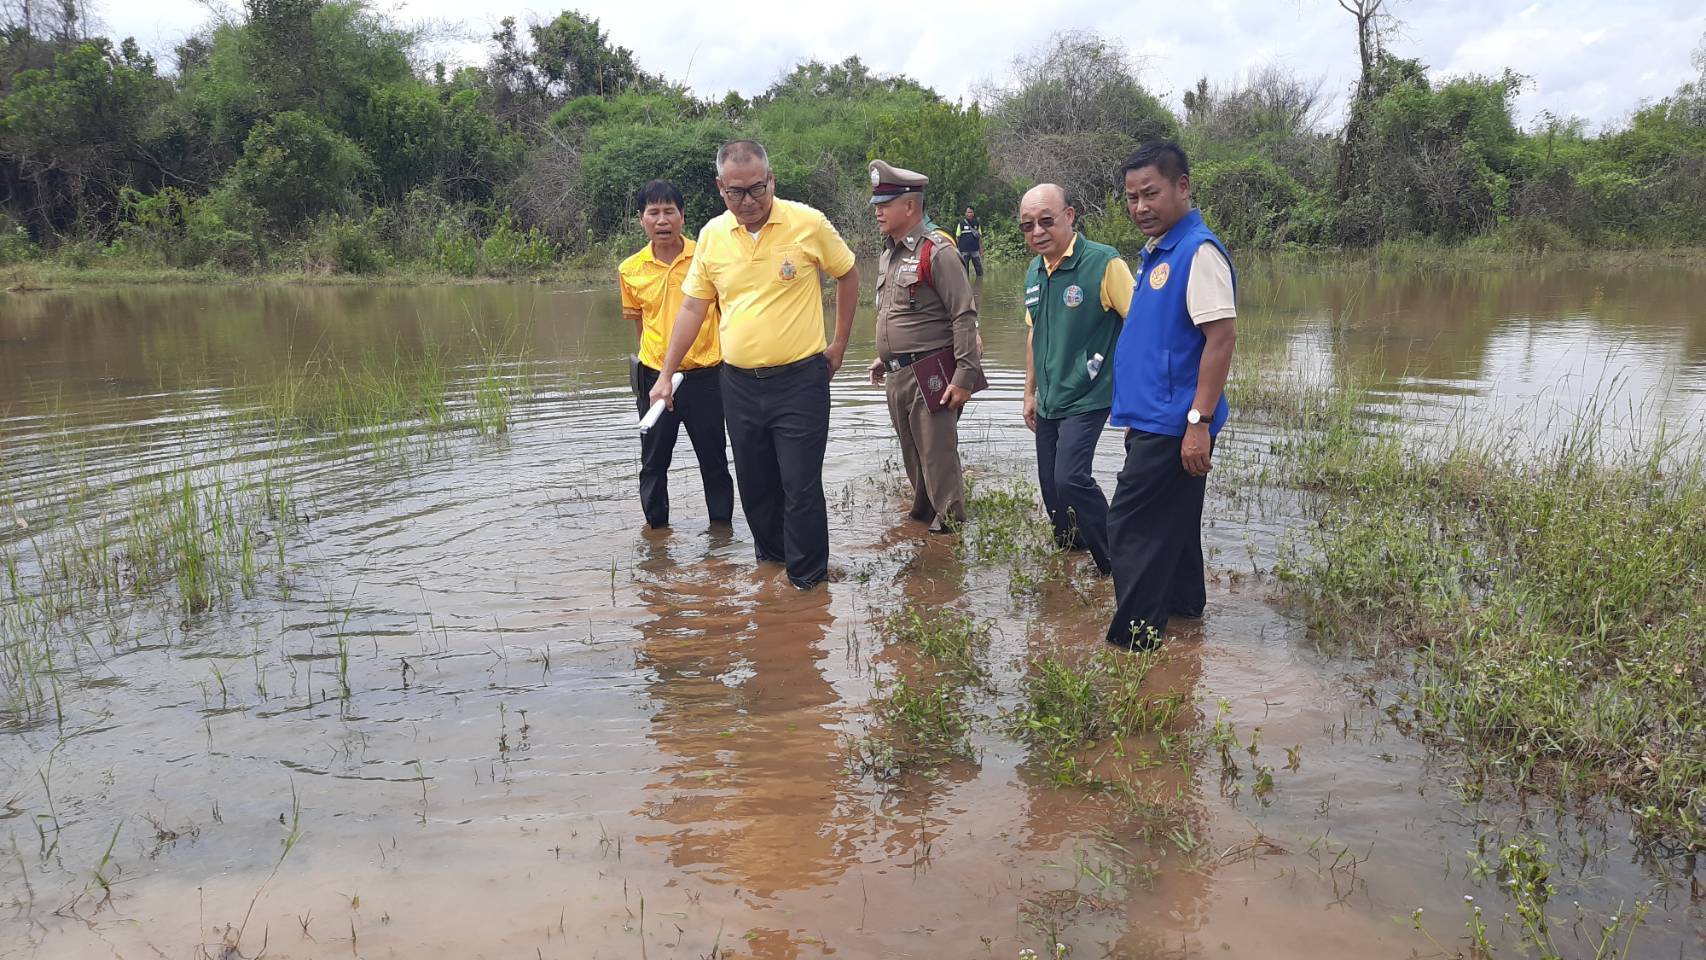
<point>787,271</point>
<point>1158,276</point>
<point>1073,296</point>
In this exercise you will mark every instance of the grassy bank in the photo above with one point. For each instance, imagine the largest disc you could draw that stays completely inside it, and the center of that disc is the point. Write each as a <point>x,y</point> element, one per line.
<point>1486,254</point>
<point>1552,602</point>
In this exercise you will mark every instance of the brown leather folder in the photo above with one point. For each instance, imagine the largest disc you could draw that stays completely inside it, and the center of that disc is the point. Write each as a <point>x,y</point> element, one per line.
<point>935,372</point>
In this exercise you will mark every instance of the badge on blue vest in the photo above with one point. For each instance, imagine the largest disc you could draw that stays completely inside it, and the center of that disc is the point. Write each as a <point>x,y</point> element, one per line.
<point>1158,276</point>
<point>1073,296</point>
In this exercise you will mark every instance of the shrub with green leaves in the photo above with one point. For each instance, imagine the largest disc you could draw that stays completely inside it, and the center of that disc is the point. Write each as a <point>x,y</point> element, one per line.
<point>295,168</point>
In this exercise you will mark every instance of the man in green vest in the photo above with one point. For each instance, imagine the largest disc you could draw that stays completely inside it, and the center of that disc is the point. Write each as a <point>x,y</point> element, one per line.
<point>1076,295</point>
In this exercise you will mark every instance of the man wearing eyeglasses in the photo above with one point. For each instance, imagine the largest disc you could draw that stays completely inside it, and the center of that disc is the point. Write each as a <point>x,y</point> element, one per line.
<point>1169,394</point>
<point>760,262</point>
<point>1076,295</point>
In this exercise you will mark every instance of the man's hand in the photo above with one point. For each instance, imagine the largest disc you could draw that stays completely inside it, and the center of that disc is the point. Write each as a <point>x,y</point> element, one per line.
<point>878,371</point>
<point>1031,411</point>
<point>955,397</point>
<point>662,390</point>
<point>834,354</point>
<point>1194,451</point>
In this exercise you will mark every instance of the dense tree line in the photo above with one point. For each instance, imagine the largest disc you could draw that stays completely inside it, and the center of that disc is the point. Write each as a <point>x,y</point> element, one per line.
<point>310,132</point>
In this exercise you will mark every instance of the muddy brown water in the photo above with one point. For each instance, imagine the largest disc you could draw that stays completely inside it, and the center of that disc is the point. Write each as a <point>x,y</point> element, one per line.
<point>567,737</point>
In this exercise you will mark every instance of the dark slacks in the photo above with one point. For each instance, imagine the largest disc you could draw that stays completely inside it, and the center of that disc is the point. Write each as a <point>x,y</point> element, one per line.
<point>779,428</point>
<point>1155,530</point>
<point>974,261</point>
<point>699,408</point>
<point>1066,450</point>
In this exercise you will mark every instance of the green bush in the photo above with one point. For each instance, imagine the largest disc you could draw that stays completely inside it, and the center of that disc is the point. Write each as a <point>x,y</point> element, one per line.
<point>620,157</point>
<point>343,245</point>
<point>418,138</point>
<point>172,228</point>
<point>15,244</point>
<point>294,168</point>
<point>1248,202</point>
<point>508,252</point>
<point>1112,226</point>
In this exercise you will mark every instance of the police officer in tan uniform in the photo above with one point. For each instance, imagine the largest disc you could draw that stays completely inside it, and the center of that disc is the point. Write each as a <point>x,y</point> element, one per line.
<point>928,354</point>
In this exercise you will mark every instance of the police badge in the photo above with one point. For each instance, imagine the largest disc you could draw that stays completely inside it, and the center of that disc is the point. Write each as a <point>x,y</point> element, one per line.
<point>1074,295</point>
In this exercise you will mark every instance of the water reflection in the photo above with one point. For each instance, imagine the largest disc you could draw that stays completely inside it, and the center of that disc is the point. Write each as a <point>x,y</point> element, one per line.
<point>742,706</point>
<point>508,573</point>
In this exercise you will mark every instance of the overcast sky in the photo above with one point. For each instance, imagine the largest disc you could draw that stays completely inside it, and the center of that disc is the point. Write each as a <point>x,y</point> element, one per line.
<point>1594,60</point>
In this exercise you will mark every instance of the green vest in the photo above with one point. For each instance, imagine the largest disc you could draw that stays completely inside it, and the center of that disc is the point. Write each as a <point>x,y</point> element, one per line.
<point>1069,327</point>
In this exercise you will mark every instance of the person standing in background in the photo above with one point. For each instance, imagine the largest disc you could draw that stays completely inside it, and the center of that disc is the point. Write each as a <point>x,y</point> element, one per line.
<point>969,236</point>
<point>651,296</point>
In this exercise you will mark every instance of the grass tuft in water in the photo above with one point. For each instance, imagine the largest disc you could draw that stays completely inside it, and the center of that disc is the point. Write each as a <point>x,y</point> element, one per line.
<point>1555,602</point>
<point>1068,709</point>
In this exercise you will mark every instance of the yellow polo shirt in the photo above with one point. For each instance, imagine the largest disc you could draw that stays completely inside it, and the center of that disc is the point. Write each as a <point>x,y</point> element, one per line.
<point>769,289</point>
<point>653,288</point>
<point>1117,282</point>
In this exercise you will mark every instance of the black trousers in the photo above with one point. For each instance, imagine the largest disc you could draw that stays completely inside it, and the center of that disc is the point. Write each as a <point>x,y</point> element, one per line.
<point>699,408</point>
<point>974,260</point>
<point>1066,450</point>
<point>1155,536</point>
<point>779,429</point>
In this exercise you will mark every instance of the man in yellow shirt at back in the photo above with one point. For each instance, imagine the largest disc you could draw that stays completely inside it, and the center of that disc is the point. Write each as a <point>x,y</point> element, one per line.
<point>760,263</point>
<point>651,295</point>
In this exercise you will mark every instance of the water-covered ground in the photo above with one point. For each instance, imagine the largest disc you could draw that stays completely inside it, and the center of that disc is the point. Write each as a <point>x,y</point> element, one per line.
<point>466,706</point>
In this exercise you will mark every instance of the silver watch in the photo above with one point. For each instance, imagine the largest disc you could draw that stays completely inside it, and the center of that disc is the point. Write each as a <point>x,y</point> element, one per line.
<point>1194,417</point>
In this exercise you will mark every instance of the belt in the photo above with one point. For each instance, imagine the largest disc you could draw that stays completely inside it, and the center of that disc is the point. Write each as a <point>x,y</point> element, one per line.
<point>904,360</point>
<point>762,373</point>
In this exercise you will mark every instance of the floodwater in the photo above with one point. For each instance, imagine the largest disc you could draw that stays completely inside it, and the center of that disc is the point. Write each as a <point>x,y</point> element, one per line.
<point>493,717</point>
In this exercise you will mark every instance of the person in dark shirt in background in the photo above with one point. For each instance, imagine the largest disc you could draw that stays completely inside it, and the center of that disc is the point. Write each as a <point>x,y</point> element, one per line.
<point>969,236</point>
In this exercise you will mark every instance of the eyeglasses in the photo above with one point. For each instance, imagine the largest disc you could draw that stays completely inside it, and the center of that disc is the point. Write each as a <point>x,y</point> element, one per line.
<point>1026,226</point>
<point>757,191</point>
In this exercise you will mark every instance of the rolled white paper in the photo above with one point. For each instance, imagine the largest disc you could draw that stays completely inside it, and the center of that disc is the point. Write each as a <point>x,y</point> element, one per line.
<point>651,418</point>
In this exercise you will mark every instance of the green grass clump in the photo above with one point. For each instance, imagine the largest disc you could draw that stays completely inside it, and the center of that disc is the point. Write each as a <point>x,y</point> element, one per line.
<point>916,725</point>
<point>951,638</point>
<point>1556,603</point>
<point>352,400</point>
<point>921,718</point>
<point>1069,708</point>
<point>1004,523</point>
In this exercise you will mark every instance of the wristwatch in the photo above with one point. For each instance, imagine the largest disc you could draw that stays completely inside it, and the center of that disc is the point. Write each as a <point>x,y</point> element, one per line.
<point>1194,417</point>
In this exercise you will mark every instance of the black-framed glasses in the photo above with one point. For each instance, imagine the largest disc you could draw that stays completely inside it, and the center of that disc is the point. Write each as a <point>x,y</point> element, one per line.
<point>757,191</point>
<point>1026,226</point>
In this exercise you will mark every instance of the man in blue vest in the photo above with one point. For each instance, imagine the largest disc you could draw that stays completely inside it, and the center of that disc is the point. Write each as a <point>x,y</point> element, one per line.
<point>1170,370</point>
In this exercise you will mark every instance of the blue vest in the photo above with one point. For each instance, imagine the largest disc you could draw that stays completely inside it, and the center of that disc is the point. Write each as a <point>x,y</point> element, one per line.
<point>1160,349</point>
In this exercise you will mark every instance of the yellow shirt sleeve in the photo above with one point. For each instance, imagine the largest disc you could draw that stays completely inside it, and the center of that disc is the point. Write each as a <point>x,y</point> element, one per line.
<point>828,249</point>
<point>1117,286</point>
<point>697,284</point>
<point>629,300</point>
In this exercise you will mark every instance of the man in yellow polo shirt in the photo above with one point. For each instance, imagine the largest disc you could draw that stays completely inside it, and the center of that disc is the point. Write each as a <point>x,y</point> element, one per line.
<point>760,263</point>
<point>651,296</point>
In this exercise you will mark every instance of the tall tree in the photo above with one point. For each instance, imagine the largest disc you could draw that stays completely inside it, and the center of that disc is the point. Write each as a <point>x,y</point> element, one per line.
<point>1372,24</point>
